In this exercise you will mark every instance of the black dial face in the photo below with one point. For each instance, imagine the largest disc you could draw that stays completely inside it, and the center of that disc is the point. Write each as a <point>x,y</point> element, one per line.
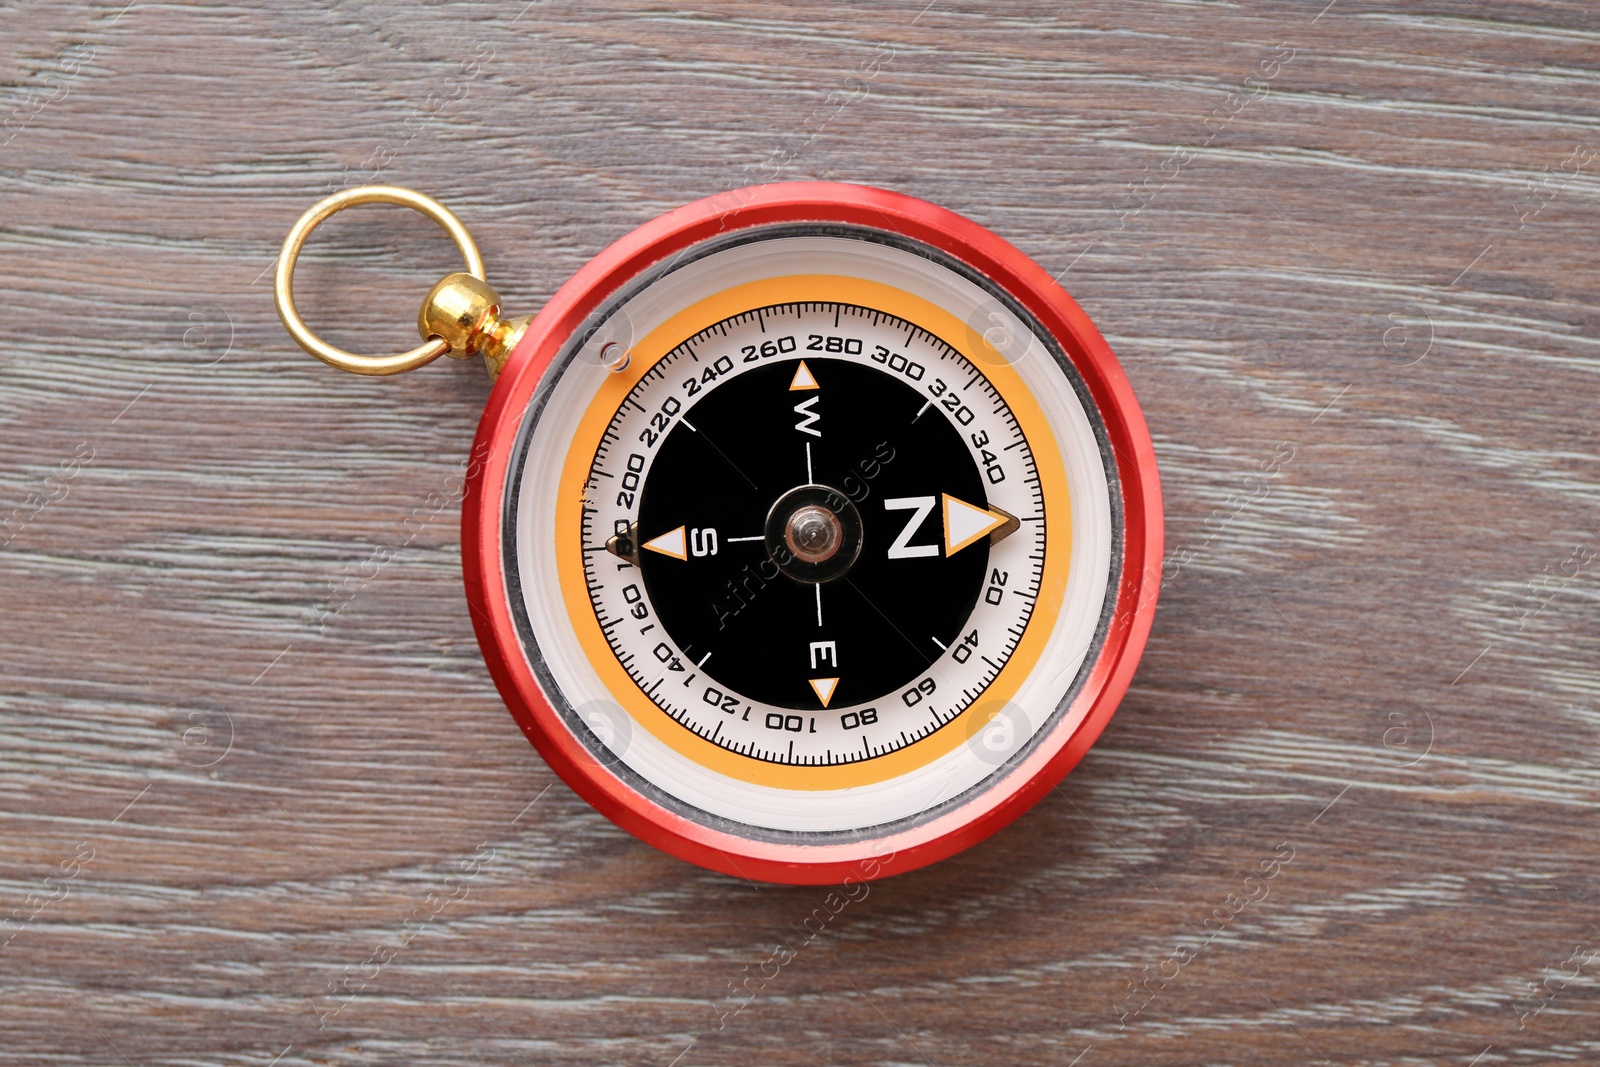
<point>813,533</point>
<point>825,505</point>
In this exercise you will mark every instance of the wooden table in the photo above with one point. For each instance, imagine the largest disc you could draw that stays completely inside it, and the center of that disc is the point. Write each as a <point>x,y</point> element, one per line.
<point>1345,252</point>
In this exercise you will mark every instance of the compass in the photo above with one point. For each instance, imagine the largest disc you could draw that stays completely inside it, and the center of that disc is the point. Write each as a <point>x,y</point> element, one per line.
<point>811,532</point>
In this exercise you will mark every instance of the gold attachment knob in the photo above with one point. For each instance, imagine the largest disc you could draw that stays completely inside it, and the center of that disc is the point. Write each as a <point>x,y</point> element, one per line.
<point>461,315</point>
<point>464,312</point>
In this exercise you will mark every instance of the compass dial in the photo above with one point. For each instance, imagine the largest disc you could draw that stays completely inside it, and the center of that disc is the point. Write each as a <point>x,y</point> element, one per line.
<point>803,573</point>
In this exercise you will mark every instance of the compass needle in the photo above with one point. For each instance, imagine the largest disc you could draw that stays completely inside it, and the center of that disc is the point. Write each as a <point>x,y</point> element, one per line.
<point>966,524</point>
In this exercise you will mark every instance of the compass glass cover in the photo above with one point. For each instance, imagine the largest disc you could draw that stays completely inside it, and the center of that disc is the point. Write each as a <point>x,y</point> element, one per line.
<point>811,534</point>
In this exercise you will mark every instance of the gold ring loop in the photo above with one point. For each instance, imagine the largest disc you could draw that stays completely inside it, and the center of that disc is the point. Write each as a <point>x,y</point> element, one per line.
<point>283,279</point>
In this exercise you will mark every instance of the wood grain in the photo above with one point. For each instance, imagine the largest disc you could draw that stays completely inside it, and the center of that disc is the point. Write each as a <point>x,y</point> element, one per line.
<point>1357,297</point>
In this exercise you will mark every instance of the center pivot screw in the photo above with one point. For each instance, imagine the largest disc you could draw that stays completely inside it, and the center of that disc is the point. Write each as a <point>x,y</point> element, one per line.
<point>813,533</point>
